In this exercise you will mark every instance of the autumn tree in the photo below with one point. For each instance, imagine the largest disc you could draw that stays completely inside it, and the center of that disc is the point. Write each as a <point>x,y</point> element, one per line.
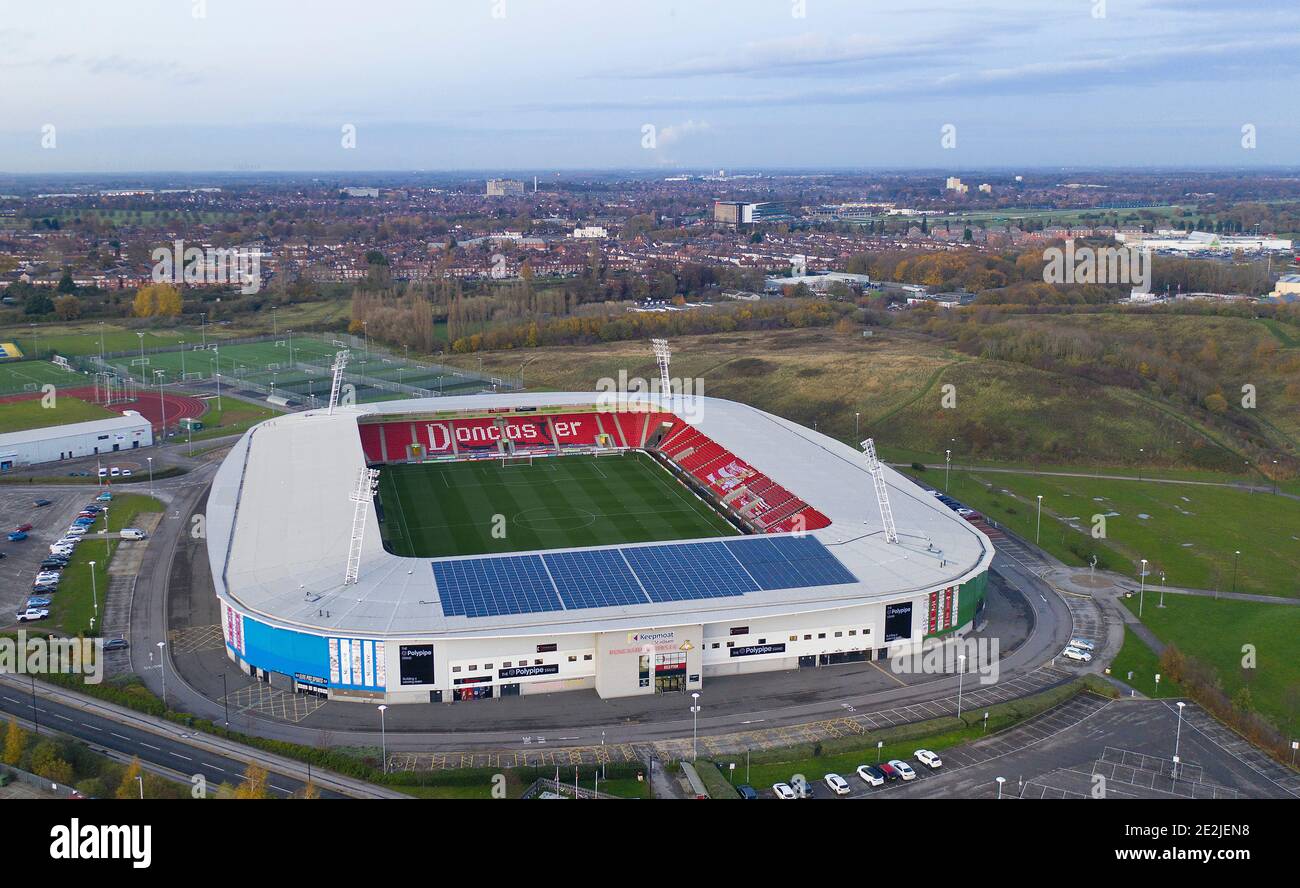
<point>15,743</point>
<point>254,785</point>
<point>129,788</point>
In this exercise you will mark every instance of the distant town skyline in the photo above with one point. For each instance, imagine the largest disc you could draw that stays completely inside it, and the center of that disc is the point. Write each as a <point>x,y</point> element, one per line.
<point>516,85</point>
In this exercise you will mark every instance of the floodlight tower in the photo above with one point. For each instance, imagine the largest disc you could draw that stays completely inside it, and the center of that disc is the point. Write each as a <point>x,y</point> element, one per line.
<point>882,492</point>
<point>367,481</point>
<point>340,361</point>
<point>662,355</point>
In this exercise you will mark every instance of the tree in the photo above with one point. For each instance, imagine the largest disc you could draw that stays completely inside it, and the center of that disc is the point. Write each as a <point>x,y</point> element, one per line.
<point>254,785</point>
<point>128,788</point>
<point>38,302</point>
<point>1216,403</point>
<point>15,743</point>
<point>47,763</point>
<point>67,284</point>
<point>157,300</point>
<point>67,308</point>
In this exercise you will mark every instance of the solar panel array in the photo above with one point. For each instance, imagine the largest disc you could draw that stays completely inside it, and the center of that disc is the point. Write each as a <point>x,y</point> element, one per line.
<point>518,584</point>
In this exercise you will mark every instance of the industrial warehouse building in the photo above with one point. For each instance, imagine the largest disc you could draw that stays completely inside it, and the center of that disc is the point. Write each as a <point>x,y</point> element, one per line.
<point>799,569</point>
<point>29,447</point>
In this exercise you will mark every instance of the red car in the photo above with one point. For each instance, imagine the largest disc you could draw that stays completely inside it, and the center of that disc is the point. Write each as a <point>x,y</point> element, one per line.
<point>890,772</point>
<point>23,528</point>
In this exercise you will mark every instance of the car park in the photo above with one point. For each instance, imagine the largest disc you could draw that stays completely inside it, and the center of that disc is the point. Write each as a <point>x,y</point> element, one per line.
<point>1073,653</point>
<point>928,758</point>
<point>783,791</point>
<point>837,784</point>
<point>890,772</point>
<point>871,775</point>
<point>1082,644</point>
<point>903,768</point>
<point>30,614</point>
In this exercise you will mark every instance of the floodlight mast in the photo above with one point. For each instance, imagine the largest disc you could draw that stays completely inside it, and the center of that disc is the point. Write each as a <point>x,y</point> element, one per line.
<point>882,492</point>
<point>367,481</point>
<point>662,356</point>
<point>340,361</point>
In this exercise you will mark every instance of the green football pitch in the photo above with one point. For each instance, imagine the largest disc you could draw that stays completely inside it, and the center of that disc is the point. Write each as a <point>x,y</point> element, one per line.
<point>474,508</point>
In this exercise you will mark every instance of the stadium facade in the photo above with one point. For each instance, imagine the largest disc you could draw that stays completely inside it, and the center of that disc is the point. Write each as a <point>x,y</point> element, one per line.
<point>806,577</point>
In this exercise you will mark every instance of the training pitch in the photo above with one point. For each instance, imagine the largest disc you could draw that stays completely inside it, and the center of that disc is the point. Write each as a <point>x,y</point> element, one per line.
<point>554,502</point>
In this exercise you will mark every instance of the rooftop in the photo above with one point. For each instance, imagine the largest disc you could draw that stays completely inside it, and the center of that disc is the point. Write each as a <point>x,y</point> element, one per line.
<point>280,520</point>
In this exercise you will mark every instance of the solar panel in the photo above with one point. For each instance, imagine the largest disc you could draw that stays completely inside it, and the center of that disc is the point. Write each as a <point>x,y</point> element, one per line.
<point>689,570</point>
<point>789,562</point>
<point>489,587</point>
<point>596,578</point>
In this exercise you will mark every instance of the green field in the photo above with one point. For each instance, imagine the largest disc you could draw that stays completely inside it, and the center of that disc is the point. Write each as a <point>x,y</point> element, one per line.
<point>1215,632</point>
<point>31,414</point>
<point>28,376</point>
<point>1190,532</point>
<point>1137,658</point>
<point>434,510</point>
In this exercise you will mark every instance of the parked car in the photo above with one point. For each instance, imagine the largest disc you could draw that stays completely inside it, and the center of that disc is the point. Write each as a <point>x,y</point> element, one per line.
<point>890,772</point>
<point>3,555</point>
<point>41,502</point>
<point>132,533</point>
<point>903,768</point>
<point>47,575</point>
<point>76,530</point>
<point>32,613</point>
<point>53,562</point>
<point>744,790</point>
<point>114,472</point>
<point>105,497</point>
<point>121,644</point>
<point>1082,644</point>
<point>1073,653</point>
<point>17,536</point>
<point>103,472</point>
<point>23,527</point>
<point>38,601</point>
<point>838,784</point>
<point>783,791</point>
<point>126,473</point>
<point>871,775</point>
<point>83,522</point>
<point>928,758</point>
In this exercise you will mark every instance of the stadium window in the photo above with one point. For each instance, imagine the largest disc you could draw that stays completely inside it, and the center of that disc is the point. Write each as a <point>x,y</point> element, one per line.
<point>821,634</point>
<point>573,659</point>
<point>839,634</point>
<point>537,662</point>
<point>716,645</point>
<point>505,665</point>
<point>762,641</point>
<point>807,638</point>
<point>586,656</point>
<point>487,666</point>
<point>794,637</point>
<point>852,632</point>
<point>866,631</point>
<point>455,669</point>
<point>731,644</point>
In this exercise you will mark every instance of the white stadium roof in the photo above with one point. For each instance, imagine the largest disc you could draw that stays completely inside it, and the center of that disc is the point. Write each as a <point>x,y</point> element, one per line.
<point>280,519</point>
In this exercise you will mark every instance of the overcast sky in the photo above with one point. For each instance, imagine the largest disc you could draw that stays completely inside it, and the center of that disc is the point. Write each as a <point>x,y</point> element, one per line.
<point>563,84</point>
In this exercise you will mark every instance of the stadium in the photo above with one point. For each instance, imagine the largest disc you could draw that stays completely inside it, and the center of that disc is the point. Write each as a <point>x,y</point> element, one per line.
<point>466,547</point>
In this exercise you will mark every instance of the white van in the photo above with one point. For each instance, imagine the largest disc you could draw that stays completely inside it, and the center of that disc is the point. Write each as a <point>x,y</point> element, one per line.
<point>132,533</point>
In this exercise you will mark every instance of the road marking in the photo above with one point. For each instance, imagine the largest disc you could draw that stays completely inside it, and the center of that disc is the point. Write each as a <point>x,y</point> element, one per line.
<point>154,748</point>
<point>890,674</point>
<point>92,727</point>
<point>179,756</point>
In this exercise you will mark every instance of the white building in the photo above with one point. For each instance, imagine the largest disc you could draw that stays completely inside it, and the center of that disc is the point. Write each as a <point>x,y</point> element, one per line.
<point>29,447</point>
<point>590,231</point>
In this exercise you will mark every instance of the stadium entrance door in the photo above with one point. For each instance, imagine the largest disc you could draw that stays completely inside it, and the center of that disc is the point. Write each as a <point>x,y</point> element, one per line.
<point>670,673</point>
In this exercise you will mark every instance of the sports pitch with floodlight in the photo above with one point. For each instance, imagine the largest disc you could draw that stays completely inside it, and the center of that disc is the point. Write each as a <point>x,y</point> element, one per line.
<point>435,510</point>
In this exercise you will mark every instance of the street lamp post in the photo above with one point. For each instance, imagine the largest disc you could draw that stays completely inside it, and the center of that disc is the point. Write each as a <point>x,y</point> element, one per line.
<point>1001,780</point>
<point>1142,586</point>
<point>1038,531</point>
<point>1178,733</point>
<point>947,468</point>
<point>695,727</point>
<point>1236,556</point>
<point>961,674</point>
<point>162,664</point>
<point>1162,590</point>
<point>94,593</point>
<point>225,697</point>
<point>383,735</point>
<point>149,459</point>
<point>857,418</point>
